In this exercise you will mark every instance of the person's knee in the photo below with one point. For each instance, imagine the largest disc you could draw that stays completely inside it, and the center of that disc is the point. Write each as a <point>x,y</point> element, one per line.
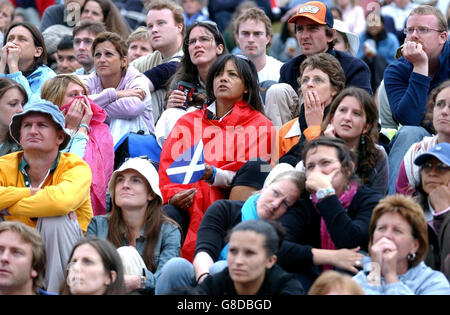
<point>410,134</point>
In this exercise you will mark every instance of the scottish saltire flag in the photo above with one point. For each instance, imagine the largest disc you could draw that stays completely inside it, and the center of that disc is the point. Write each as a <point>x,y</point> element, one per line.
<point>189,166</point>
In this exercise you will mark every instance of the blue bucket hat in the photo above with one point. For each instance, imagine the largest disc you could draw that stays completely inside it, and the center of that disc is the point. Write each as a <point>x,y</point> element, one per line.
<point>41,106</point>
<point>440,151</point>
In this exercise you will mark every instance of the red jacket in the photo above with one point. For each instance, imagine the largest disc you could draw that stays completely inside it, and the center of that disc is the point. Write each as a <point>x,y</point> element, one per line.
<point>243,134</point>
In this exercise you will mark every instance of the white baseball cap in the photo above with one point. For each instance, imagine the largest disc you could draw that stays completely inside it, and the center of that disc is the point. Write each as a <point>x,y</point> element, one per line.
<point>143,167</point>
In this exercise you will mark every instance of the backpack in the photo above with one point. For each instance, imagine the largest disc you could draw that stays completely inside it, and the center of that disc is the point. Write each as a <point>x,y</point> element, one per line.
<point>137,144</point>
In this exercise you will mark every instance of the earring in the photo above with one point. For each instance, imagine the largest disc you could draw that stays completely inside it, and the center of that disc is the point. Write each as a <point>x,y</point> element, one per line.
<point>411,256</point>
<point>363,139</point>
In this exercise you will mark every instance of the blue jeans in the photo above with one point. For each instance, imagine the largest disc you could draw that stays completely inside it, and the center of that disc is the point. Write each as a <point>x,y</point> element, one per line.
<point>179,273</point>
<point>405,137</point>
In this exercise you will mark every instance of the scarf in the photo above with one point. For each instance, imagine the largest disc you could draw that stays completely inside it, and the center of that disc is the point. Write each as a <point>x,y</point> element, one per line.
<point>345,199</point>
<point>248,212</point>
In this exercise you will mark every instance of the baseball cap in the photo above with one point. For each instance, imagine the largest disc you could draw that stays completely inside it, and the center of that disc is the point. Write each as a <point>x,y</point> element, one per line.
<point>142,166</point>
<point>316,11</point>
<point>41,106</point>
<point>441,151</point>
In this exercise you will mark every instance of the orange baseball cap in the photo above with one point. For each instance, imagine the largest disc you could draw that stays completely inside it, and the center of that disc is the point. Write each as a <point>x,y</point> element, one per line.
<point>315,11</point>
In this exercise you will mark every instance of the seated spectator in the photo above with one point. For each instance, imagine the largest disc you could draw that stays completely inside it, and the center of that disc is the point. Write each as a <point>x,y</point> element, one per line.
<point>138,44</point>
<point>386,43</point>
<point>321,79</point>
<point>22,274</point>
<point>439,107</point>
<point>24,58</point>
<point>212,248</point>
<point>12,99</point>
<point>40,182</point>
<point>334,283</point>
<point>151,237</point>
<point>353,117</point>
<point>203,44</point>
<point>94,268</point>
<point>194,11</point>
<point>105,11</point>
<point>52,37</point>
<point>434,197</point>
<point>121,90</point>
<point>90,139</point>
<point>6,17</point>
<point>233,106</point>
<point>259,275</point>
<point>330,227</point>
<point>409,80</point>
<point>133,11</point>
<point>65,56</point>
<point>166,27</point>
<point>398,246</point>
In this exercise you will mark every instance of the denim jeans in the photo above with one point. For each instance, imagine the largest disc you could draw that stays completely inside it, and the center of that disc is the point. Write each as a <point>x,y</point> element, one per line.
<point>405,137</point>
<point>179,273</point>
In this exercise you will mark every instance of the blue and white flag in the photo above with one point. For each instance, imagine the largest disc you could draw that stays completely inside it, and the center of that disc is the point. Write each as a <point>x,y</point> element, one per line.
<point>189,166</point>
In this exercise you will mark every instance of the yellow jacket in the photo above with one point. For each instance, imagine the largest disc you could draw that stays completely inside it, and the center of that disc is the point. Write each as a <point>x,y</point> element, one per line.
<point>66,189</point>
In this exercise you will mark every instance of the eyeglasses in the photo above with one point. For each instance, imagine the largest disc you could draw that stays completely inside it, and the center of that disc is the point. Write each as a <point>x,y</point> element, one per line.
<point>422,30</point>
<point>86,41</point>
<point>203,40</point>
<point>316,80</point>
<point>438,167</point>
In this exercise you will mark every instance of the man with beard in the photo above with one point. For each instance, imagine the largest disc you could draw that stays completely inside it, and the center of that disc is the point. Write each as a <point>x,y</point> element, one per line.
<point>408,80</point>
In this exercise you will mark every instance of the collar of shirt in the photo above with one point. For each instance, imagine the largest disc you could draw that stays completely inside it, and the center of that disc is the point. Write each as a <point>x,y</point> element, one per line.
<point>24,164</point>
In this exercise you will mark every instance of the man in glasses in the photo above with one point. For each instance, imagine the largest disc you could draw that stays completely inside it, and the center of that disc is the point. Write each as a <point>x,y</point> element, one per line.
<point>83,37</point>
<point>408,81</point>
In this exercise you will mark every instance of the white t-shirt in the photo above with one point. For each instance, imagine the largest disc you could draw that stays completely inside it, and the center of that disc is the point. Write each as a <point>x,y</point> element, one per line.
<point>271,70</point>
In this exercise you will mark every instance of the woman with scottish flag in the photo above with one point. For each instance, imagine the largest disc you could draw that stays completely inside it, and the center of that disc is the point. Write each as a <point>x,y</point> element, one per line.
<point>207,147</point>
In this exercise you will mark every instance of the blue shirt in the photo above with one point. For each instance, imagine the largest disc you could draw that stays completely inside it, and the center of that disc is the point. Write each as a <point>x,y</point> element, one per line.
<point>420,280</point>
<point>32,83</point>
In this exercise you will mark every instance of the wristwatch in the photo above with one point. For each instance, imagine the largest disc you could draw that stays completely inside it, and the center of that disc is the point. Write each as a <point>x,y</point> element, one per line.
<point>324,192</point>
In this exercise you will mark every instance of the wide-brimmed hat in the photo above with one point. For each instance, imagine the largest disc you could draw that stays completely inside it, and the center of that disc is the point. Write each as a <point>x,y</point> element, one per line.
<point>40,106</point>
<point>353,39</point>
<point>143,167</point>
<point>441,151</point>
<point>315,11</point>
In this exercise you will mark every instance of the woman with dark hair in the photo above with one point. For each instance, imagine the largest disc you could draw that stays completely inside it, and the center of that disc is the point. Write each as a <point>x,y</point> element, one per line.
<point>202,45</point>
<point>137,222</point>
<point>105,11</point>
<point>332,225</point>
<point>257,273</point>
<point>353,117</point>
<point>121,90</point>
<point>12,98</point>
<point>94,268</point>
<point>398,246</point>
<point>24,58</point>
<point>231,128</point>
